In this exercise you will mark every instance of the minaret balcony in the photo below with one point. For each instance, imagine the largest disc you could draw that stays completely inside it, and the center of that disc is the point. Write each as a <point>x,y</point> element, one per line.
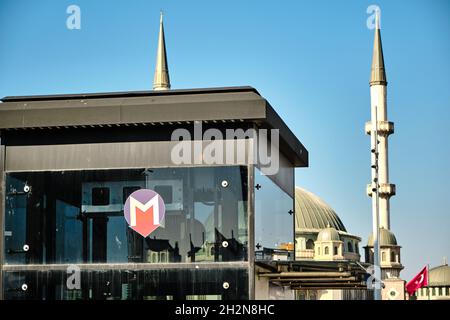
<point>385,190</point>
<point>384,127</point>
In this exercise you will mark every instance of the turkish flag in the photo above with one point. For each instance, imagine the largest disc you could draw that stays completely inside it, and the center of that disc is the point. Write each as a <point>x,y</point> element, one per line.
<point>419,281</point>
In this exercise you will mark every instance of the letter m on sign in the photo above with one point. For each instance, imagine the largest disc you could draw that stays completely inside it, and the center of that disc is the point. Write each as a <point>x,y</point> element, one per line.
<point>144,217</point>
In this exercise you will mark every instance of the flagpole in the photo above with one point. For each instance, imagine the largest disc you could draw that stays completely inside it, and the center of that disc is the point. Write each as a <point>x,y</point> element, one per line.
<point>428,281</point>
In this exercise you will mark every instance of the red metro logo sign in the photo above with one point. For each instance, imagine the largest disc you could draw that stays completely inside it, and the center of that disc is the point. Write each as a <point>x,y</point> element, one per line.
<point>144,211</point>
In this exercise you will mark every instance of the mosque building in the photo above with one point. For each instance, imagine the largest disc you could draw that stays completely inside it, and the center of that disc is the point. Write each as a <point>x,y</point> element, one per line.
<point>438,284</point>
<point>319,232</point>
<point>320,235</point>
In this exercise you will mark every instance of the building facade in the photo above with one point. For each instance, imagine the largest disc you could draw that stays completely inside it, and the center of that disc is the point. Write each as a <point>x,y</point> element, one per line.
<point>438,285</point>
<point>68,163</point>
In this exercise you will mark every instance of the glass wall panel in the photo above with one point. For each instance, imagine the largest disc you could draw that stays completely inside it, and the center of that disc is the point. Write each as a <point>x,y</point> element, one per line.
<point>15,215</point>
<point>274,220</point>
<point>160,284</point>
<point>68,229</point>
<point>77,216</point>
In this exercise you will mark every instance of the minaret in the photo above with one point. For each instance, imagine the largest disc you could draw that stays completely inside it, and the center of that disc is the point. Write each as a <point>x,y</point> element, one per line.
<point>382,249</point>
<point>378,88</point>
<point>161,80</point>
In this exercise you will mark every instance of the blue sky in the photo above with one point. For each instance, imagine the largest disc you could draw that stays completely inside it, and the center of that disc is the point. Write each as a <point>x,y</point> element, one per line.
<point>311,60</point>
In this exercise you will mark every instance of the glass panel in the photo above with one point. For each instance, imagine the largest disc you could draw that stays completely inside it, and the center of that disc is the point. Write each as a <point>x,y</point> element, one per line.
<point>68,231</point>
<point>161,284</point>
<point>274,220</point>
<point>15,215</point>
<point>77,216</point>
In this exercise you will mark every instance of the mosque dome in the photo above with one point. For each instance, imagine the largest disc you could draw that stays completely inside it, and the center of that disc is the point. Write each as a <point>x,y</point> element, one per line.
<point>316,223</point>
<point>313,213</point>
<point>387,238</point>
<point>328,234</point>
<point>440,276</point>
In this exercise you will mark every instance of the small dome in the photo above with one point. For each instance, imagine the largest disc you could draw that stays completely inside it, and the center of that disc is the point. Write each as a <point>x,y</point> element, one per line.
<point>328,234</point>
<point>311,212</point>
<point>387,238</point>
<point>440,276</point>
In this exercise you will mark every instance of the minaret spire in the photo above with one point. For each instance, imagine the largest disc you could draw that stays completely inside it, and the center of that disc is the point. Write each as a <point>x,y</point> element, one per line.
<point>378,73</point>
<point>161,80</point>
<point>383,249</point>
<point>380,133</point>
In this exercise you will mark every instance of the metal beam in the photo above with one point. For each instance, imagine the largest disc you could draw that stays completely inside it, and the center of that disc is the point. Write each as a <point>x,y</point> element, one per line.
<point>305,274</point>
<point>346,279</point>
<point>127,266</point>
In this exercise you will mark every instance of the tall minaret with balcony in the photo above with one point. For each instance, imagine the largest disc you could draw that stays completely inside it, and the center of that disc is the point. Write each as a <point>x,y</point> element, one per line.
<point>378,88</point>
<point>389,255</point>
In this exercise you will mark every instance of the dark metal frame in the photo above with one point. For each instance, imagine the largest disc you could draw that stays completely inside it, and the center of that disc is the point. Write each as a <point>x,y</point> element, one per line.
<point>251,231</point>
<point>2,213</point>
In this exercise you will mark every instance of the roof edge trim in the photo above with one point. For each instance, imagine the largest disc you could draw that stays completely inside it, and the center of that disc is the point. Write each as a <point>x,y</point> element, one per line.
<point>129,94</point>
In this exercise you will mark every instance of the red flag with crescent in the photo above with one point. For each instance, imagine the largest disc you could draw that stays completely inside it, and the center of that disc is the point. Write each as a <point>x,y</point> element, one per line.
<point>419,281</point>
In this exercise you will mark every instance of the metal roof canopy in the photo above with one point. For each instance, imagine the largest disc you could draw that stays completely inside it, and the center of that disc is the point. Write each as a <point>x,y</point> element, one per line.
<point>230,104</point>
<point>314,274</point>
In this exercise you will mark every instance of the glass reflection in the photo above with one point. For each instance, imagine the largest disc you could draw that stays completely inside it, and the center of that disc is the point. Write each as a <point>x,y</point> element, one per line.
<point>77,216</point>
<point>274,220</point>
